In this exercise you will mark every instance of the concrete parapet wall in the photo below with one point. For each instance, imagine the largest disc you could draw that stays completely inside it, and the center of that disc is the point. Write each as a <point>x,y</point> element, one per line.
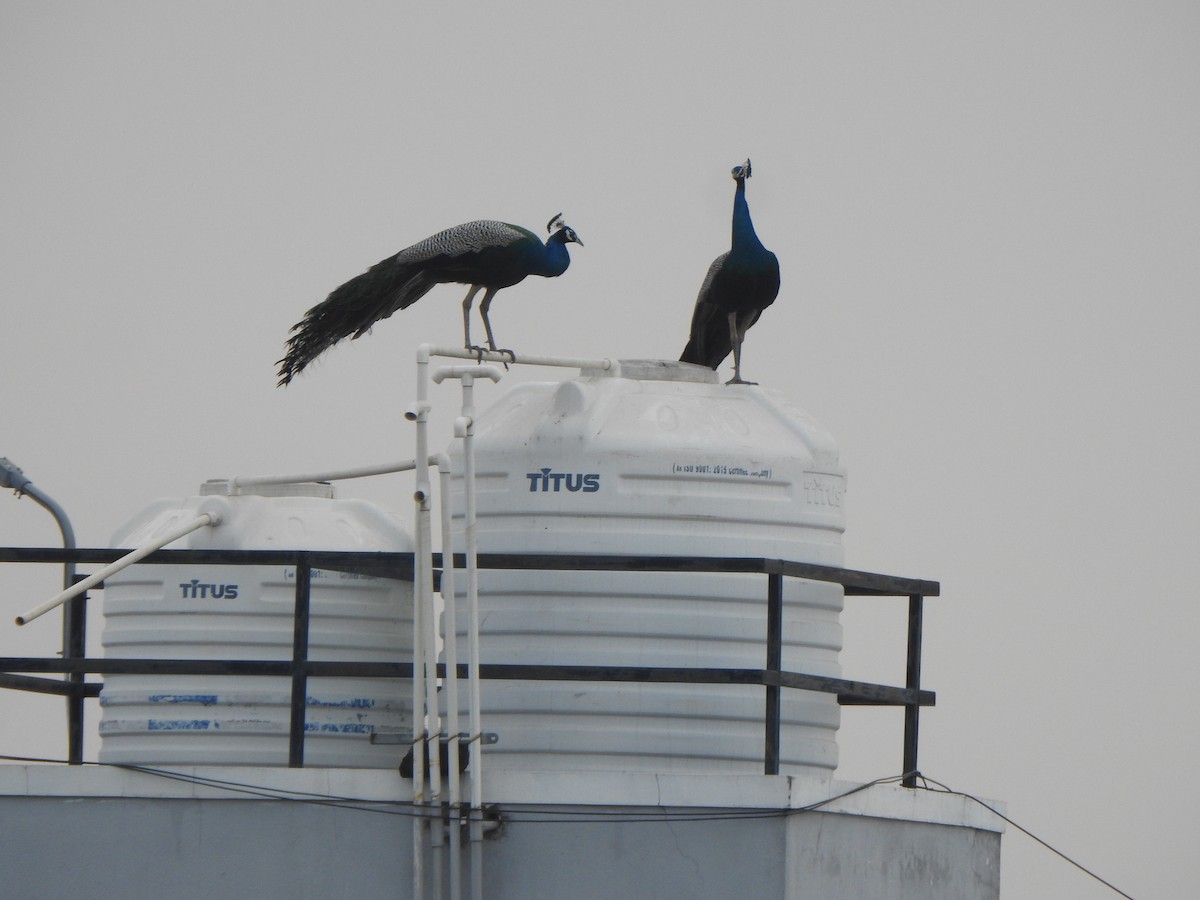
<point>113,833</point>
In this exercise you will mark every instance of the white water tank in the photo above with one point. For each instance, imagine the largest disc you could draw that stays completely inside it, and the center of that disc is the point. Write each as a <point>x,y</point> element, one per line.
<point>658,460</point>
<point>192,611</point>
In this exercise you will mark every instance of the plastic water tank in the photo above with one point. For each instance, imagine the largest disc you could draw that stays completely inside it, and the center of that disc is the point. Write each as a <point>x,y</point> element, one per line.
<point>658,460</point>
<point>193,611</point>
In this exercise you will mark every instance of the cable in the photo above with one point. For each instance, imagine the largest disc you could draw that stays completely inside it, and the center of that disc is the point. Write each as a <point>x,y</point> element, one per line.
<point>361,804</point>
<point>579,817</point>
<point>512,813</point>
<point>542,816</point>
<point>943,789</point>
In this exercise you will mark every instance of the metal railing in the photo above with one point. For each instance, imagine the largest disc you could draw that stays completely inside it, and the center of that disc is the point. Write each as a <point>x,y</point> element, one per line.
<point>28,673</point>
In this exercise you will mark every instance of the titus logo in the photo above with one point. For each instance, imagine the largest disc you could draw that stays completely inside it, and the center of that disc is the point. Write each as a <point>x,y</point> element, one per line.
<point>823,490</point>
<point>572,481</point>
<point>194,590</point>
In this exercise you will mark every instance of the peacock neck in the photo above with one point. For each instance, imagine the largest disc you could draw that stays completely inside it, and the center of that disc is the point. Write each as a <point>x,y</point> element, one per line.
<point>743,229</point>
<point>555,258</point>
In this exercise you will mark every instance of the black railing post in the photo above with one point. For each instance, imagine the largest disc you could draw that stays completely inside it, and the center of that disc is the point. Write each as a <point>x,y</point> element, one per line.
<point>774,664</point>
<point>75,647</point>
<point>299,658</point>
<point>912,709</point>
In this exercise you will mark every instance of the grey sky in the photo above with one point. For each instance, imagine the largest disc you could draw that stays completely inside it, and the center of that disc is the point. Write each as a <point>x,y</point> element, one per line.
<point>987,221</point>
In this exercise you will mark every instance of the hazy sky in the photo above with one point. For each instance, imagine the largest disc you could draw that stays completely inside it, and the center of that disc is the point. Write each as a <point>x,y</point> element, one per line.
<point>988,223</point>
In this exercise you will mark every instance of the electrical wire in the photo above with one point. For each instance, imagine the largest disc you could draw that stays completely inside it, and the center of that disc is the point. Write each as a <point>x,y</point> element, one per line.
<point>540,815</point>
<point>360,804</point>
<point>940,788</point>
<point>528,815</point>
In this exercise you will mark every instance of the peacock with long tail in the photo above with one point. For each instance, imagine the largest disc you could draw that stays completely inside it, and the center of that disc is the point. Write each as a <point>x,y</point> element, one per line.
<point>739,285</point>
<point>486,255</point>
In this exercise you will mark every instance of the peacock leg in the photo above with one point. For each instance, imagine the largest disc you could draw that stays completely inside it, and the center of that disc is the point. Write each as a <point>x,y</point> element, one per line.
<point>736,336</point>
<point>466,306</point>
<point>484,306</point>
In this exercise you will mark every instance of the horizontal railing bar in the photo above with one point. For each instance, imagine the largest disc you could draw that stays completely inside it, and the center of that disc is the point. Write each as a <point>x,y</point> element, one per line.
<point>321,559</point>
<point>924,698</point>
<point>35,685</point>
<point>642,674</point>
<point>861,692</point>
<point>856,582</point>
<point>613,562</point>
<point>399,565</point>
<point>873,693</point>
<point>282,667</point>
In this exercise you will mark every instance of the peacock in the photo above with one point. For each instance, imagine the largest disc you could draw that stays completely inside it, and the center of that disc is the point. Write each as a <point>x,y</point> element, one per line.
<point>486,255</point>
<point>739,285</point>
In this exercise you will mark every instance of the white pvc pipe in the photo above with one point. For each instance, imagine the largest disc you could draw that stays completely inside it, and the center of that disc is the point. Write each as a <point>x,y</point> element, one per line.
<point>421,560</point>
<point>425,351</point>
<point>472,551</point>
<point>464,428</point>
<point>428,639</point>
<point>467,374</point>
<point>335,475</point>
<point>204,519</point>
<point>423,653</point>
<point>450,641</point>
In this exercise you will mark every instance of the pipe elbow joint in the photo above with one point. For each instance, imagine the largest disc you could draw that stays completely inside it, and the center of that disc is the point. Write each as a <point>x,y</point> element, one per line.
<point>418,411</point>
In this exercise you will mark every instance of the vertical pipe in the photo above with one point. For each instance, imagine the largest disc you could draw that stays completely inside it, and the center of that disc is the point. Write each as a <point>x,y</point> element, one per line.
<point>472,550</point>
<point>75,647</point>
<point>450,642</point>
<point>74,613</point>
<point>420,825</point>
<point>299,656</point>
<point>464,428</point>
<point>428,638</point>
<point>774,664</point>
<point>912,710</point>
<point>74,628</point>
<point>421,562</point>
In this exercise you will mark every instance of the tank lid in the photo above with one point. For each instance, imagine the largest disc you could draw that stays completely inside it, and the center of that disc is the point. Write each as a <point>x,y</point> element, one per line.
<point>224,487</point>
<point>656,370</point>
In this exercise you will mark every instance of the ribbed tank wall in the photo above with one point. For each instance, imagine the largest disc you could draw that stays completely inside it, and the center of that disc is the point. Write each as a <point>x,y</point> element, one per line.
<point>246,612</point>
<point>659,461</point>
